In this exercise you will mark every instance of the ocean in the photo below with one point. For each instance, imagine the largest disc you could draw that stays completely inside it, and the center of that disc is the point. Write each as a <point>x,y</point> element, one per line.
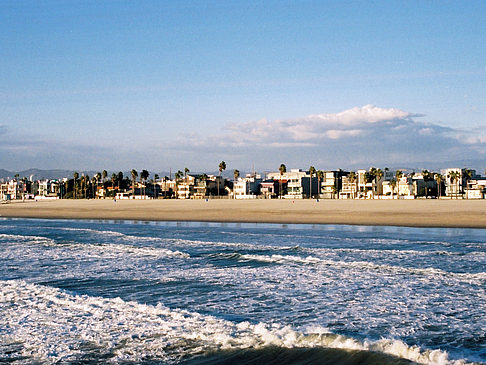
<point>129,292</point>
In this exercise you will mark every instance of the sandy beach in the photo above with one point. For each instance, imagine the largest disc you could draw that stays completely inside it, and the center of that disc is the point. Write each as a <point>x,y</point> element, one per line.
<point>413,213</point>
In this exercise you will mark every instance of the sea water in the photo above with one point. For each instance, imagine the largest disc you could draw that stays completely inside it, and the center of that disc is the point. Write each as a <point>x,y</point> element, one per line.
<point>160,292</point>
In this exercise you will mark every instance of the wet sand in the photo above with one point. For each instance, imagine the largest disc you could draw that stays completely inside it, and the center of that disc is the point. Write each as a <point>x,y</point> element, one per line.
<point>413,213</point>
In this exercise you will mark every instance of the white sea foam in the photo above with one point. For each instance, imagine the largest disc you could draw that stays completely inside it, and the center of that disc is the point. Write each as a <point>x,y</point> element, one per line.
<point>89,249</point>
<point>281,259</point>
<point>51,326</point>
<point>362,265</point>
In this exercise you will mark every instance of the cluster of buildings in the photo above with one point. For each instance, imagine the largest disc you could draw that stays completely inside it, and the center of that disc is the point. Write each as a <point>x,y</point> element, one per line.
<point>452,183</point>
<point>27,189</point>
<point>374,183</point>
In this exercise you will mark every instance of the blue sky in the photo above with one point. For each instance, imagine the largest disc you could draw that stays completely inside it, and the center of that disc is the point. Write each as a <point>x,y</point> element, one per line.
<point>159,85</point>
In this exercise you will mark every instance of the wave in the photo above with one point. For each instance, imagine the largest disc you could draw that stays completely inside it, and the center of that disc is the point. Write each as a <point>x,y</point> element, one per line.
<point>359,265</point>
<point>281,259</point>
<point>103,249</point>
<point>23,238</point>
<point>50,325</point>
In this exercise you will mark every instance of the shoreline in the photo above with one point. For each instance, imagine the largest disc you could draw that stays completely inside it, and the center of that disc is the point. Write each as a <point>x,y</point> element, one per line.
<point>408,213</point>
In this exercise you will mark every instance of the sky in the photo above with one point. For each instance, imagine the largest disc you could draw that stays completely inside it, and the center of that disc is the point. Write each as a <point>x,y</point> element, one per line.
<point>162,85</point>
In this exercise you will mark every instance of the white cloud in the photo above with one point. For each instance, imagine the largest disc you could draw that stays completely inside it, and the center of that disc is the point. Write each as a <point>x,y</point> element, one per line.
<point>361,136</point>
<point>368,135</point>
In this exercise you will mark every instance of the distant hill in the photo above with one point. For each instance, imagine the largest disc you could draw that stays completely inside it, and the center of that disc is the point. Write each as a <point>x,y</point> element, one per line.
<point>38,174</point>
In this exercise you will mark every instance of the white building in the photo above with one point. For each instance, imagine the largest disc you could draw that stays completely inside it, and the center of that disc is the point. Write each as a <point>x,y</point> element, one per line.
<point>247,187</point>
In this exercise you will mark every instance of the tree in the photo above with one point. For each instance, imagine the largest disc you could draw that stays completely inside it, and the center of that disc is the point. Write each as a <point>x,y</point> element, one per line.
<point>75,175</point>
<point>312,171</point>
<point>467,176</point>
<point>439,178</point>
<point>393,184</point>
<point>120,178</point>
<point>236,174</point>
<point>93,184</point>
<point>143,177</point>
<point>370,177</point>
<point>398,175</point>
<point>82,180</point>
<point>320,176</point>
<point>426,176</point>
<point>104,174</point>
<point>134,174</point>
<point>98,177</point>
<point>352,180</point>
<point>335,191</point>
<point>282,170</point>
<point>178,176</point>
<point>454,177</point>
<point>222,167</point>
<point>113,180</point>
<point>379,175</point>
<point>186,171</point>
<point>156,189</point>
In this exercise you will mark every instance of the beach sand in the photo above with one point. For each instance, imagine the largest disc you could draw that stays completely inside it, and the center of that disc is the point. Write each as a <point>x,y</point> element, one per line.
<point>413,213</point>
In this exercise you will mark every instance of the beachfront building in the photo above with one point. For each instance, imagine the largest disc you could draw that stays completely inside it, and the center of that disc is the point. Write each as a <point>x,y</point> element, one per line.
<point>367,188</point>
<point>247,187</point>
<point>185,187</point>
<point>13,190</point>
<point>331,185</point>
<point>298,183</point>
<point>207,186</point>
<point>403,188</point>
<point>269,189</point>
<point>456,181</point>
<point>348,188</point>
<point>48,189</point>
<point>476,188</point>
<point>166,188</point>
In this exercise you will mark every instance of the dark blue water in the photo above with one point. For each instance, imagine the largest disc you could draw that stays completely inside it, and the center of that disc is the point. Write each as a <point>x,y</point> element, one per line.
<point>187,292</point>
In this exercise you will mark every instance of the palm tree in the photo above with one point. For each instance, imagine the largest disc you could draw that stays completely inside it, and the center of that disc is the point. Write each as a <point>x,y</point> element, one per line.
<point>236,175</point>
<point>371,178</point>
<point>379,175</point>
<point>282,170</point>
<point>93,183</point>
<point>467,176</point>
<point>177,177</point>
<point>113,180</point>
<point>120,178</point>
<point>143,177</point>
<point>335,191</point>
<point>426,176</point>
<point>320,176</point>
<point>222,167</point>
<point>134,176</point>
<point>186,171</point>
<point>439,178</point>
<point>104,174</point>
<point>352,180</point>
<point>398,175</point>
<point>156,177</point>
<point>393,184</point>
<point>454,177</point>
<point>98,177</point>
<point>75,175</point>
<point>83,178</point>
<point>312,171</point>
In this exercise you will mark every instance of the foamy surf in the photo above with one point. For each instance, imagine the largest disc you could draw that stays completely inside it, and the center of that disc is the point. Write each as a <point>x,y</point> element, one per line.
<point>40,323</point>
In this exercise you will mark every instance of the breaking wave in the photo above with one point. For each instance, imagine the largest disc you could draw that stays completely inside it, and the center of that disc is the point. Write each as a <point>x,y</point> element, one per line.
<point>40,323</point>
